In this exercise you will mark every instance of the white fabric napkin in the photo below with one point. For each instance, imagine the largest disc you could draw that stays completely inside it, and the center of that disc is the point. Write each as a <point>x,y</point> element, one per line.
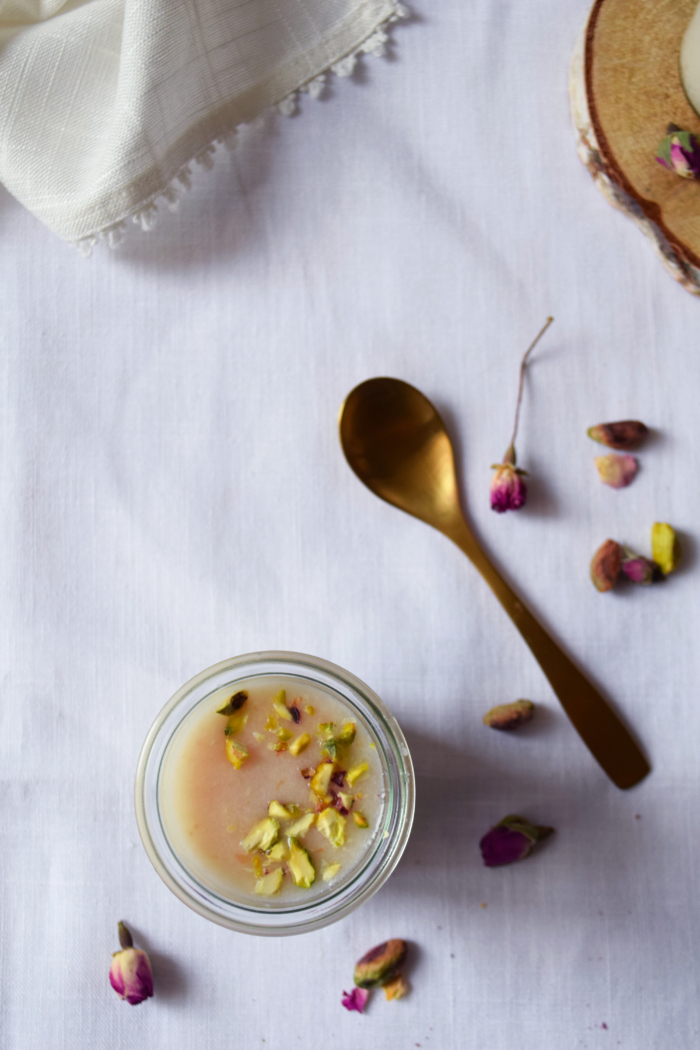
<point>104,103</point>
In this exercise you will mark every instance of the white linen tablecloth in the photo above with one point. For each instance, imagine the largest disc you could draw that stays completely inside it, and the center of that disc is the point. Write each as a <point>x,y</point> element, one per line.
<point>172,493</point>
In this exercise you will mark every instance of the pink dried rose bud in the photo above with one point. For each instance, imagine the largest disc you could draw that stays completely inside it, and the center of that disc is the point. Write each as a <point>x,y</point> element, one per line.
<point>508,490</point>
<point>616,471</point>
<point>637,568</point>
<point>512,839</point>
<point>625,436</point>
<point>509,716</point>
<point>605,565</point>
<point>130,973</point>
<point>679,152</point>
<point>356,999</point>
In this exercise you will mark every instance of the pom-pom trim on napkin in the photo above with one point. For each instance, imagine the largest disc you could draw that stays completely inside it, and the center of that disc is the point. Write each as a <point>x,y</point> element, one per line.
<point>146,216</point>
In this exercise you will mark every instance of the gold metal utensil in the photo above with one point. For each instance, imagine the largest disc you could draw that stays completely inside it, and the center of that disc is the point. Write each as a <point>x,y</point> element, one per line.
<point>395,441</point>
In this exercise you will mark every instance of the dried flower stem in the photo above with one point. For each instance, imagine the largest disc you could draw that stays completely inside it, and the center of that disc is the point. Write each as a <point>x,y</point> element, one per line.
<point>510,455</point>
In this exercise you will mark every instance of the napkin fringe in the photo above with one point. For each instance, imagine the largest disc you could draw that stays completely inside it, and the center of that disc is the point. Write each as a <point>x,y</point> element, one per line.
<point>146,216</point>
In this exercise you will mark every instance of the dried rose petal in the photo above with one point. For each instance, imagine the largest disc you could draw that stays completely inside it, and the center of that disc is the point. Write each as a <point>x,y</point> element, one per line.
<point>625,436</point>
<point>356,999</point>
<point>295,713</point>
<point>638,569</point>
<point>510,840</point>
<point>606,564</point>
<point>616,471</point>
<point>509,716</point>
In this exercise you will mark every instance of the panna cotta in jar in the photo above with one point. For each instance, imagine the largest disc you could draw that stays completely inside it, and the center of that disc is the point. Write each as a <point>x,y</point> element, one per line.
<point>274,793</point>
<point>273,790</point>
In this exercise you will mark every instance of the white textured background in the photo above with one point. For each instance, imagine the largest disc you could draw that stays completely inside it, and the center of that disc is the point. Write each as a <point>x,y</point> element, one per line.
<point>172,493</point>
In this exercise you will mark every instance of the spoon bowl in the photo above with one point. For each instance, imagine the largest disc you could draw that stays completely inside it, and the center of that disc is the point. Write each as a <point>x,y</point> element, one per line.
<point>395,441</point>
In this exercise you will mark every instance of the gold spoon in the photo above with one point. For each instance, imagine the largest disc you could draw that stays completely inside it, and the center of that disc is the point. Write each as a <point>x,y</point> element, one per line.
<point>395,441</point>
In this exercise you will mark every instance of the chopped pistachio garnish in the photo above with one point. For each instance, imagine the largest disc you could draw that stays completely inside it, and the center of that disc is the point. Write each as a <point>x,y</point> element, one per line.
<point>278,852</point>
<point>276,809</point>
<point>231,827</point>
<point>360,819</point>
<point>330,871</point>
<point>300,744</point>
<point>347,733</point>
<point>300,865</point>
<point>271,724</point>
<point>285,734</point>
<point>356,772</point>
<point>279,746</point>
<point>309,709</point>
<point>347,800</point>
<point>301,826</point>
<point>262,835</point>
<point>322,778</point>
<point>270,883</point>
<point>280,705</point>
<point>258,736</point>
<point>332,824</point>
<point>371,744</point>
<point>236,752</point>
<point>257,866</point>
<point>235,722</point>
<point>233,704</point>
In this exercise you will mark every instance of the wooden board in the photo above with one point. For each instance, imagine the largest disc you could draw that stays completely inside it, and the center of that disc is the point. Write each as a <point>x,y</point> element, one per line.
<point>625,89</point>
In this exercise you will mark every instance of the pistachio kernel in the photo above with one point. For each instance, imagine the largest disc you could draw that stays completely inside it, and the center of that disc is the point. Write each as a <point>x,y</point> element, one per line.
<point>605,565</point>
<point>380,964</point>
<point>509,716</point>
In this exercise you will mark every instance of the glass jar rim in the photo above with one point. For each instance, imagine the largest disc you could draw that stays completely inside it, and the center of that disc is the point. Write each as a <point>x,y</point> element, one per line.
<point>367,877</point>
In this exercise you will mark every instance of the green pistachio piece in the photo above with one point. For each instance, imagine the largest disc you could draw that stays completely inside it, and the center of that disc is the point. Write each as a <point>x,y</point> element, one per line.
<point>302,826</point>
<point>236,752</point>
<point>275,809</point>
<point>280,705</point>
<point>300,865</point>
<point>355,773</point>
<point>262,835</point>
<point>332,824</point>
<point>278,852</point>
<point>330,872</point>
<point>322,778</point>
<point>347,733</point>
<point>300,744</point>
<point>270,883</point>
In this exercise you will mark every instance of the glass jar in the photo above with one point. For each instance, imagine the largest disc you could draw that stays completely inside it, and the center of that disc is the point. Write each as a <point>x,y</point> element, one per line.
<point>279,917</point>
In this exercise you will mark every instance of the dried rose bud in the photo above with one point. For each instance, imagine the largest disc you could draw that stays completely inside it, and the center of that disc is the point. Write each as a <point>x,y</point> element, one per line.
<point>616,471</point>
<point>511,839</point>
<point>130,973</point>
<point>356,999</point>
<point>679,152</point>
<point>625,436</point>
<point>509,716</point>
<point>508,490</point>
<point>637,568</point>
<point>606,565</point>
<point>397,987</point>
<point>665,548</point>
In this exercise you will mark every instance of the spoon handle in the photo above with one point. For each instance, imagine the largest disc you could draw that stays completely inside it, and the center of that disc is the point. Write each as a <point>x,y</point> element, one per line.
<point>601,730</point>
